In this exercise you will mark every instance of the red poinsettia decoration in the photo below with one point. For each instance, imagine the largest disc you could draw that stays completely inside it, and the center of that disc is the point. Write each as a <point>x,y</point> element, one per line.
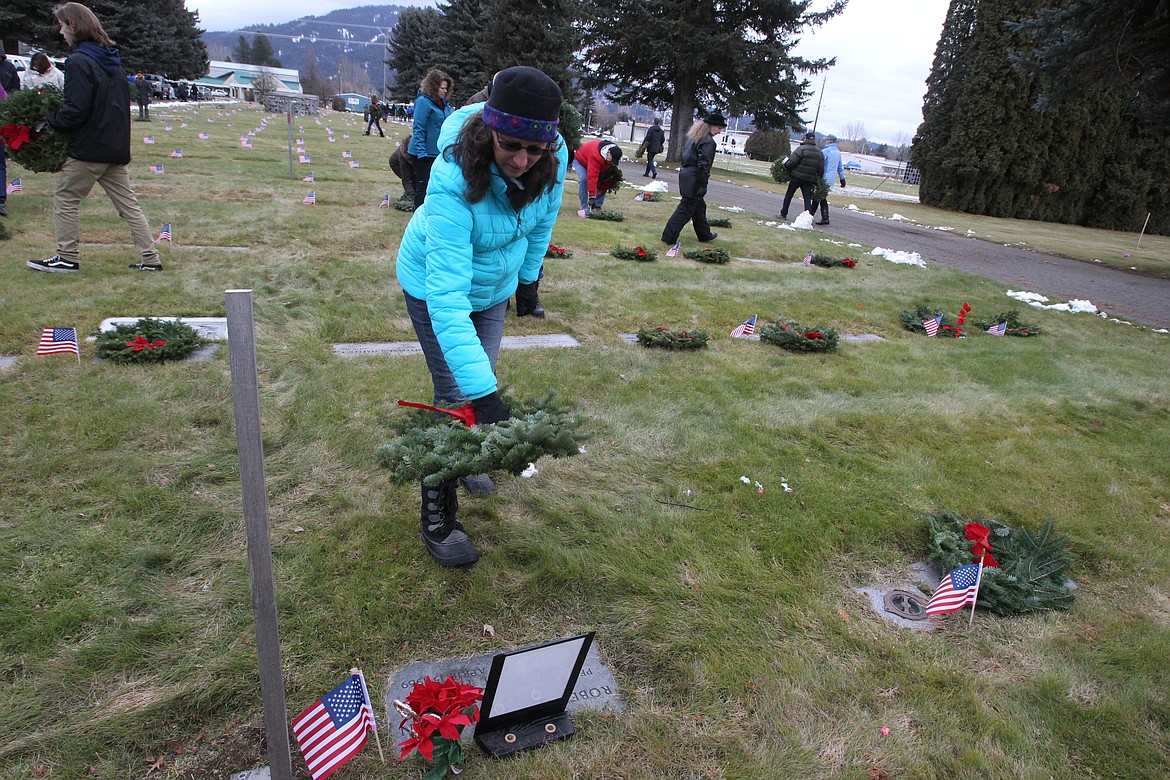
<point>980,538</point>
<point>437,714</point>
<point>15,136</point>
<point>640,252</point>
<point>140,343</point>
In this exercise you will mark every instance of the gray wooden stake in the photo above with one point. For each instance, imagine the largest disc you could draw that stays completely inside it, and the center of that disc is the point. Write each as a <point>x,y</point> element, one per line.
<point>246,401</point>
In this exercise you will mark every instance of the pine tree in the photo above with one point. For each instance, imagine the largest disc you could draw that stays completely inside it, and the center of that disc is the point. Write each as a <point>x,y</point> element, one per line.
<point>536,33</point>
<point>409,50</point>
<point>262,53</point>
<point>461,47</point>
<point>243,51</point>
<point>685,54</point>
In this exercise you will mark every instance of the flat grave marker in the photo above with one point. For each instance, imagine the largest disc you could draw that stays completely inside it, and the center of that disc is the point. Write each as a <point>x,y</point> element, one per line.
<point>555,340</point>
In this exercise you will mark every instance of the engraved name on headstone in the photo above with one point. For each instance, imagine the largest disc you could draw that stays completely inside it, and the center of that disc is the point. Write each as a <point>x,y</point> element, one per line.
<point>861,337</point>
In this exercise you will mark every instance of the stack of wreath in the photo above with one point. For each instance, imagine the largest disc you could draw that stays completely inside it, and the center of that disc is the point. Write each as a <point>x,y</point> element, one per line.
<point>29,140</point>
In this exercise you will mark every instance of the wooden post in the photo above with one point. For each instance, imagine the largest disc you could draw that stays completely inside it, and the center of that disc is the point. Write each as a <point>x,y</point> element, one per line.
<point>1145,225</point>
<point>291,176</point>
<point>246,402</point>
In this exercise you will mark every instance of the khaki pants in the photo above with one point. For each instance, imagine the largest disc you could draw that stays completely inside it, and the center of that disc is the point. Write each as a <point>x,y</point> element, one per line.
<point>77,179</point>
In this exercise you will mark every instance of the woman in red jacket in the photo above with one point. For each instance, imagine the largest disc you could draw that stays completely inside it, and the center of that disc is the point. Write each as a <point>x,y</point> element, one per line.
<point>595,163</point>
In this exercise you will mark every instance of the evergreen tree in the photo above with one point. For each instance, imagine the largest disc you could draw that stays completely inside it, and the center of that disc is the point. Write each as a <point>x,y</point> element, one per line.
<point>684,54</point>
<point>262,53</point>
<point>537,33</point>
<point>460,50</point>
<point>243,51</point>
<point>984,148</point>
<point>409,51</point>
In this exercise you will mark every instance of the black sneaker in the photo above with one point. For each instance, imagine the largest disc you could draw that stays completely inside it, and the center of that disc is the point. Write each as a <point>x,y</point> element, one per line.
<point>711,237</point>
<point>3,210</point>
<point>146,266</point>
<point>55,264</point>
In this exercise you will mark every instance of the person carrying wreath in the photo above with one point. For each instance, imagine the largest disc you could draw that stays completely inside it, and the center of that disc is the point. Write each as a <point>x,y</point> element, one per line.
<point>654,141</point>
<point>805,165</point>
<point>480,235</point>
<point>697,158</point>
<point>595,163</point>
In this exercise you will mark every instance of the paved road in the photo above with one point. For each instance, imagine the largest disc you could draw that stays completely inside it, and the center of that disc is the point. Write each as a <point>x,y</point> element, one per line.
<point>1128,296</point>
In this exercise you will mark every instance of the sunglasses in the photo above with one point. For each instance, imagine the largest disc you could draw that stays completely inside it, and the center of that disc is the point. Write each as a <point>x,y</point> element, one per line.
<point>515,146</point>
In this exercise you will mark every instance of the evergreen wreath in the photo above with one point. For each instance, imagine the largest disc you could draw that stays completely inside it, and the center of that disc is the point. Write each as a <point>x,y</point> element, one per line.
<point>433,450</point>
<point>43,151</point>
<point>820,191</point>
<point>605,215</point>
<point>665,338</point>
<point>404,204</point>
<point>638,253</point>
<point>649,197</point>
<point>557,251</point>
<point>827,261</point>
<point>720,222</point>
<point>1031,574</point>
<point>912,320</point>
<point>794,337</point>
<point>716,256</point>
<point>148,341</point>
<point>1014,326</point>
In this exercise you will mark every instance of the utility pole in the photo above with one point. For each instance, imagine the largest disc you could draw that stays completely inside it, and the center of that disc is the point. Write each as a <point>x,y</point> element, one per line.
<point>819,99</point>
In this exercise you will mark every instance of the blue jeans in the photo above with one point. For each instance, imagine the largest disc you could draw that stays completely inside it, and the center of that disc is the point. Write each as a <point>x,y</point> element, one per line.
<point>489,326</point>
<point>583,187</point>
<point>3,173</point>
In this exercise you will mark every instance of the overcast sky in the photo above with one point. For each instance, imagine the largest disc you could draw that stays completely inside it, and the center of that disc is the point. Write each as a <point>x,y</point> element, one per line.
<point>884,51</point>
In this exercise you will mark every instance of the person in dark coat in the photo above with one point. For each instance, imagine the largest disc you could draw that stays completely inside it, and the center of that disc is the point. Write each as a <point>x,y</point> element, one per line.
<point>697,158</point>
<point>96,117</point>
<point>403,166</point>
<point>9,83</point>
<point>374,116</point>
<point>655,140</point>
<point>805,165</point>
<point>144,89</point>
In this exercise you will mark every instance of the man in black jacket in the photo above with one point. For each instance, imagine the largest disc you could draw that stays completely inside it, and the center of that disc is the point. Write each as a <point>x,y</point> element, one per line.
<point>10,82</point>
<point>655,140</point>
<point>96,115</point>
<point>804,166</point>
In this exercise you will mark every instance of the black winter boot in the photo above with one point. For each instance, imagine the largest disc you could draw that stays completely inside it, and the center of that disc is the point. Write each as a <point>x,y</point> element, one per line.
<point>441,530</point>
<point>824,214</point>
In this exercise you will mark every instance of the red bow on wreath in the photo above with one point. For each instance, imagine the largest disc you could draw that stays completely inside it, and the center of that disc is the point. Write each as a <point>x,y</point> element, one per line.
<point>963,313</point>
<point>15,136</point>
<point>848,263</point>
<point>556,250</point>
<point>980,537</point>
<point>812,334</point>
<point>140,343</point>
<point>639,251</point>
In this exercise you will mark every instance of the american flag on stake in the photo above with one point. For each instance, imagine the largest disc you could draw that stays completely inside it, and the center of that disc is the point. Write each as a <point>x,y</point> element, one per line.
<point>177,153</point>
<point>808,258</point>
<point>958,589</point>
<point>346,154</point>
<point>932,325</point>
<point>311,198</point>
<point>335,728</point>
<point>305,159</point>
<point>156,169</point>
<point>14,186</point>
<point>353,163</point>
<point>385,204</point>
<point>164,234</point>
<point>309,177</point>
<point>746,329</point>
<point>245,143</point>
<point>148,140</point>
<point>203,136</point>
<point>673,251</point>
<point>57,340</point>
<point>998,330</point>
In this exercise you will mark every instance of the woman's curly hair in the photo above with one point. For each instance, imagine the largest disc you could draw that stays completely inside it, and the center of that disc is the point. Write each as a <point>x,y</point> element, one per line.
<point>431,82</point>
<point>474,152</point>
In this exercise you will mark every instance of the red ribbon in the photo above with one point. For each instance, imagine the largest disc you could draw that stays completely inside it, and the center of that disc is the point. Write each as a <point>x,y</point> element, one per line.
<point>980,537</point>
<point>848,263</point>
<point>556,250</point>
<point>15,136</point>
<point>639,251</point>
<point>140,343</point>
<point>465,413</point>
<point>812,334</point>
<point>963,313</point>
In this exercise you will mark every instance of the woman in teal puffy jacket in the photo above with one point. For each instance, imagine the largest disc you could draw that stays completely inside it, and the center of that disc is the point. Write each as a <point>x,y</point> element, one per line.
<point>430,110</point>
<point>480,236</point>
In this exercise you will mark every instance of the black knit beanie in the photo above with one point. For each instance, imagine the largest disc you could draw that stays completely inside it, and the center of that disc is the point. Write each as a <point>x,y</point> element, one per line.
<point>524,103</point>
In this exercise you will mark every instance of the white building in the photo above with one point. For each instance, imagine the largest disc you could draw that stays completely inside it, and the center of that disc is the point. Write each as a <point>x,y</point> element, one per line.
<point>241,81</point>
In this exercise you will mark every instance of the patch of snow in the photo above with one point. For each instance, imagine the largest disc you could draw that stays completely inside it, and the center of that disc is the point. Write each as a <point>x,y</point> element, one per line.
<point>804,221</point>
<point>901,258</point>
<point>655,186</point>
<point>735,209</point>
<point>899,218</point>
<point>1075,306</point>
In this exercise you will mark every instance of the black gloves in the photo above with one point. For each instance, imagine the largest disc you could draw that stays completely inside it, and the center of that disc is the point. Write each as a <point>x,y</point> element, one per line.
<point>592,203</point>
<point>528,300</point>
<point>842,182</point>
<point>490,409</point>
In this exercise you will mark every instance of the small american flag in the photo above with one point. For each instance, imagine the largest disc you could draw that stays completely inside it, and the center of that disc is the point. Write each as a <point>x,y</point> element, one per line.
<point>177,153</point>
<point>305,159</point>
<point>156,169</point>
<point>353,163</point>
<point>167,128</point>
<point>309,177</point>
<point>345,135</point>
<point>673,251</point>
<point>300,142</point>
<point>164,234</point>
<point>300,150</point>
<point>385,204</point>
<point>332,140</point>
<point>746,329</point>
<point>57,340</point>
<point>958,589</point>
<point>932,325</point>
<point>148,140</point>
<point>998,330</point>
<point>14,186</point>
<point>203,136</point>
<point>335,728</point>
<point>346,154</point>
<point>311,198</point>
<point>245,143</point>
<point>808,258</point>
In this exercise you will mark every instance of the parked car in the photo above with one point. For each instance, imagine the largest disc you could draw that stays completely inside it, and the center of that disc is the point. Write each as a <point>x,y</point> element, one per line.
<point>853,165</point>
<point>160,87</point>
